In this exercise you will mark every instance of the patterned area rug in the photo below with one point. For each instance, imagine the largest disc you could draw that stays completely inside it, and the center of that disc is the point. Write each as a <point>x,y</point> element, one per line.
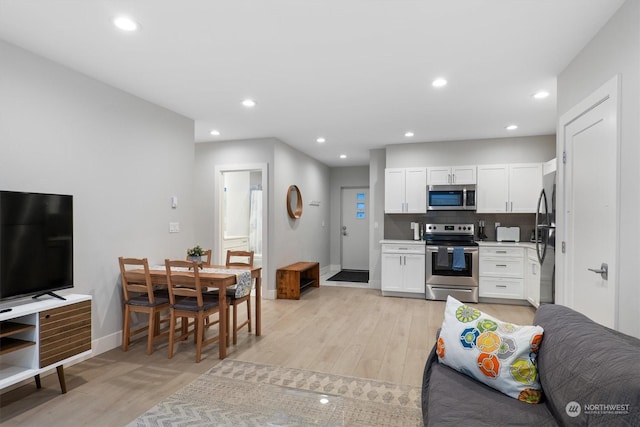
<point>236,393</point>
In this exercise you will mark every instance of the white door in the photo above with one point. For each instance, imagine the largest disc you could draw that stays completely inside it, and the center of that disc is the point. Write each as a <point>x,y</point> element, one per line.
<point>355,228</point>
<point>589,213</point>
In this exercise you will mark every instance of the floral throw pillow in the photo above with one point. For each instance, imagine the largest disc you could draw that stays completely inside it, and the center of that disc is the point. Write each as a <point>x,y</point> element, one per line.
<point>499,354</point>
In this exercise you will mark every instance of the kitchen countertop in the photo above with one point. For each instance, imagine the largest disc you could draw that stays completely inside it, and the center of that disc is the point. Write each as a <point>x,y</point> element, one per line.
<point>531,245</point>
<point>403,242</point>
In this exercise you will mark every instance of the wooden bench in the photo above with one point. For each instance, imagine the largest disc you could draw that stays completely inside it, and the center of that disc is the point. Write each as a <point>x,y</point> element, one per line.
<point>292,279</point>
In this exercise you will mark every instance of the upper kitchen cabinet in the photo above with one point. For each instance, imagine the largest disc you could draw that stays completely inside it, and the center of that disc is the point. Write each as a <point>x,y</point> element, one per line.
<point>509,188</point>
<point>451,175</point>
<point>405,190</point>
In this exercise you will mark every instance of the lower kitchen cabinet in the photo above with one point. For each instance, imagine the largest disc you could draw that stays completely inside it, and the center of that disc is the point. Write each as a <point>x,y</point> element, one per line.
<point>532,278</point>
<point>502,272</point>
<point>403,269</point>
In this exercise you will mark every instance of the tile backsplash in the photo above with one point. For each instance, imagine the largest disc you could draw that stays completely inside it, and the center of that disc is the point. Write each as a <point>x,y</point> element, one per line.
<point>398,226</point>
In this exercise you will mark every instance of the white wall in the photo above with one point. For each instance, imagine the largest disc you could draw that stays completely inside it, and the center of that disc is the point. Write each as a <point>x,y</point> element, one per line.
<point>304,239</point>
<point>121,158</point>
<point>377,163</point>
<point>616,50</point>
<point>343,177</point>
<point>472,152</point>
<point>289,240</point>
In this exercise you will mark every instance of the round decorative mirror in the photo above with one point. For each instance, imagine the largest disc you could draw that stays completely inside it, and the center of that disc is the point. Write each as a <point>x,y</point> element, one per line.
<point>294,202</point>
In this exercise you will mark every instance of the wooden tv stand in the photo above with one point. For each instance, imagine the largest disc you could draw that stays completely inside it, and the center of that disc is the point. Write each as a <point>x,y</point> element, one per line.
<point>40,335</point>
<point>292,279</point>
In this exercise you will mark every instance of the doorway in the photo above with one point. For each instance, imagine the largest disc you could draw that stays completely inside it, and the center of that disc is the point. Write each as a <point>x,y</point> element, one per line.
<point>588,136</point>
<point>354,228</point>
<point>240,212</point>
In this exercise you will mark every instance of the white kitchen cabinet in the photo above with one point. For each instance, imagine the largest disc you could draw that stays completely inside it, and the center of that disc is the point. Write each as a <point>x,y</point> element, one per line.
<point>508,188</point>
<point>405,190</point>
<point>525,184</point>
<point>403,268</point>
<point>502,272</point>
<point>451,175</point>
<point>532,278</point>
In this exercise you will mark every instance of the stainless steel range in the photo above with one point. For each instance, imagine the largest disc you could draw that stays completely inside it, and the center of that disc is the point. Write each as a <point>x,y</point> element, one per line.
<point>451,262</point>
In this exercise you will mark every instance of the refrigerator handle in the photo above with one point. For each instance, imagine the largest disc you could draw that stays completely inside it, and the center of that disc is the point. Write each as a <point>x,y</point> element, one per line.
<point>543,197</point>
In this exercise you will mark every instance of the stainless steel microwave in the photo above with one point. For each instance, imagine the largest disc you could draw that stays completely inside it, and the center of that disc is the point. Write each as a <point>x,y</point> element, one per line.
<point>451,198</point>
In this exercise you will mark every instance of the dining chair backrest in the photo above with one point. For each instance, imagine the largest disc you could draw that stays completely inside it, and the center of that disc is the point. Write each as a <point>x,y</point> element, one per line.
<point>206,257</point>
<point>134,282</point>
<point>233,262</point>
<point>183,279</point>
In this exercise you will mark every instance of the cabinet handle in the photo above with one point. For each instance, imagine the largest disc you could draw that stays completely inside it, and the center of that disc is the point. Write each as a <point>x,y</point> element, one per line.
<point>511,206</point>
<point>506,206</point>
<point>501,252</point>
<point>453,178</point>
<point>501,286</point>
<point>501,265</point>
<point>449,178</point>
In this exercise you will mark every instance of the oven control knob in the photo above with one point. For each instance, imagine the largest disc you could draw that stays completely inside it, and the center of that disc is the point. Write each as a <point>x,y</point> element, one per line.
<point>459,228</point>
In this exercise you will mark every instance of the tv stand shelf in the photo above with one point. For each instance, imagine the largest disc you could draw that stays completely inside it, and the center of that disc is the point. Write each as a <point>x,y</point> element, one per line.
<point>37,336</point>
<point>294,278</point>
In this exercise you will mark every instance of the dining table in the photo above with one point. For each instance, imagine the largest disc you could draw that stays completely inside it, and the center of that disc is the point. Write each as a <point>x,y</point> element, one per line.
<point>220,277</point>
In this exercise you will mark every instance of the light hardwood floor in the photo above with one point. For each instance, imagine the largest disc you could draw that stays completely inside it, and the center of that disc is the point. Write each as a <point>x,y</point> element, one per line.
<point>332,329</point>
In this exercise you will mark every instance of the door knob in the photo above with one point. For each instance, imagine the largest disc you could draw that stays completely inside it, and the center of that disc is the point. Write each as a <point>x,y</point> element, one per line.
<point>603,271</point>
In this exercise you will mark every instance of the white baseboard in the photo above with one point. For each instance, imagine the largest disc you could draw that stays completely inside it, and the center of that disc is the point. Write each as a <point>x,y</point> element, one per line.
<point>107,343</point>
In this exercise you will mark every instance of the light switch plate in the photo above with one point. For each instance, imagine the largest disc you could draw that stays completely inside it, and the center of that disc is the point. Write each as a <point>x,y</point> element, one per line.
<point>174,227</point>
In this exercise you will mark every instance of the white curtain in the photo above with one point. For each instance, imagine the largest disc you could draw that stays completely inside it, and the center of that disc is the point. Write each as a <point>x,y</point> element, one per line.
<point>255,223</point>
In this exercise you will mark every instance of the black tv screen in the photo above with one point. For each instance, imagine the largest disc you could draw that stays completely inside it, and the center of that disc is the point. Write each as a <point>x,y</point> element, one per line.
<point>36,243</point>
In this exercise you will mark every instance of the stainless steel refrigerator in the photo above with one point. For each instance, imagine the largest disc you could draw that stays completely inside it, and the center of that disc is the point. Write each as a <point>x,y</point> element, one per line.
<point>546,237</point>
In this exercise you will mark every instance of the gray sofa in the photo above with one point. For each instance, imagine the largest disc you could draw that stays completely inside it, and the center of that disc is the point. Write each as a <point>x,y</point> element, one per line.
<point>590,375</point>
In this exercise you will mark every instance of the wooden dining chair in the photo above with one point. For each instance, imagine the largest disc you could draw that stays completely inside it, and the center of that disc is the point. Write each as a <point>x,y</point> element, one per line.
<point>139,297</point>
<point>236,296</point>
<point>239,259</point>
<point>206,258</point>
<point>246,259</point>
<point>183,278</point>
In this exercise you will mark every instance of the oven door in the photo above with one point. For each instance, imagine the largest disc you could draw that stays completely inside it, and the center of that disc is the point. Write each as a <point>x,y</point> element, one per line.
<point>437,274</point>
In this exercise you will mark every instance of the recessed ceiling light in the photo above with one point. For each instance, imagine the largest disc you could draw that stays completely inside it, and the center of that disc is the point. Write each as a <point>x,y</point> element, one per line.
<point>125,23</point>
<point>249,103</point>
<point>408,134</point>
<point>215,132</point>
<point>511,127</point>
<point>541,94</point>
<point>439,82</point>
<point>343,156</point>
<point>321,140</point>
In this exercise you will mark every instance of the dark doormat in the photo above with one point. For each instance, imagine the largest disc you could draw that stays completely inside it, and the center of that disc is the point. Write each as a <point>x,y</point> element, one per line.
<point>360,276</point>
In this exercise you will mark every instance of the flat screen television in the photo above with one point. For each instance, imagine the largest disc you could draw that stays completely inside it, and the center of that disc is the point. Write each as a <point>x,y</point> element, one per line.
<point>36,244</point>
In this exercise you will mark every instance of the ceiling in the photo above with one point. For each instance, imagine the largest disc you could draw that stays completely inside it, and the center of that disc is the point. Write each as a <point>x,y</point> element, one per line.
<point>356,72</point>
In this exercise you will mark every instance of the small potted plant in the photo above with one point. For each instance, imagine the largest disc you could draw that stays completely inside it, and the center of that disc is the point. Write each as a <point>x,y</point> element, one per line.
<point>195,254</point>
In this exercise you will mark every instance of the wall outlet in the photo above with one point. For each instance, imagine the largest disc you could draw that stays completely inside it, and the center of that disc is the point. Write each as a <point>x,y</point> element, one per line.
<point>174,227</point>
